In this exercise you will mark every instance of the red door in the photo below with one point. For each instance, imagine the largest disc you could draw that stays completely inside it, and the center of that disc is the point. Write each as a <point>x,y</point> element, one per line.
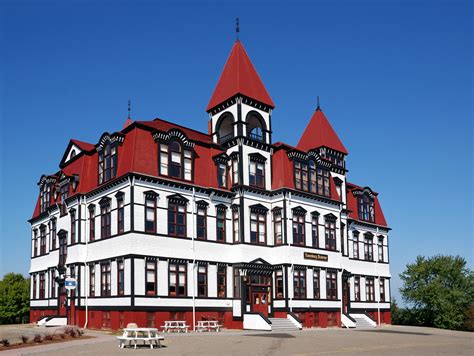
<point>260,303</point>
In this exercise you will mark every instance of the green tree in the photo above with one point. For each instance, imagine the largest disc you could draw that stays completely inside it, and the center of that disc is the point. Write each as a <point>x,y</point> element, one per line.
<point>14,298</point>
<point>440,289</point>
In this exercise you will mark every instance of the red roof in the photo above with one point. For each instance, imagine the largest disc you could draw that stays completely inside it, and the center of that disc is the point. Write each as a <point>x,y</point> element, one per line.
<point>239,77</point>
<point>83,145</point>
<point>319,132</point>
<point>164,125</point>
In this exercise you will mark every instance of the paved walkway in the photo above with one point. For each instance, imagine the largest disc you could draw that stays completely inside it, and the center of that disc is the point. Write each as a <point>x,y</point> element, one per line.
<point>386,341</point>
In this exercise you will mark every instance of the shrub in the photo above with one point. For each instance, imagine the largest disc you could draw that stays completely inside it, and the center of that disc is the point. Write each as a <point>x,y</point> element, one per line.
<point>24,339</point>
<point>37,338</point>
<point>48,337</point>
<point>5,342</point>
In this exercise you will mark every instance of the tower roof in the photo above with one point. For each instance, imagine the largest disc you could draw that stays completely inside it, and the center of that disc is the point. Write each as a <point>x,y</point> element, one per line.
<point>239,77</point>
<point>319,132</point>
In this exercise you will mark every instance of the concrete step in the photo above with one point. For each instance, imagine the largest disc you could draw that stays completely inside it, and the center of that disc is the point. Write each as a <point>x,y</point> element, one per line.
<point>282,324</point>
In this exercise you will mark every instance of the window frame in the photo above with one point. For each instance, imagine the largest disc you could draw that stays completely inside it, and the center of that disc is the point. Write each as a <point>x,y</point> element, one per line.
<point>315,230</point>
<point>92,281</point>
<point>72,214</point>
<point>120,214</point>
<point>277,225</point>
<point>370,289</point>
<point>120,277</point>
<point>256,177</point>
<point>368,248</point>
<point>236,225</point>
<point>153,269</point>
<point>298,222</point>
<point>331,285</point>
<point>152,201</point>
<point>107,162</point>
<point>202,272</point>
<point>299,284</point>
<point>316,283</point>
<point>255,217</point>
<point>380,247</point>
<point>357,289</point>
<point>221,276</point>
<point>279,287</point>
<point>105,279</point>
<point>177,273</point>
<point>174,209</point>
<point>105,221</point>
<point>186,157</point>
<point>221,219</point>
<point>330,234</point>
<point>222,176</point>
<point>201,223</point>
<point>91,222</point>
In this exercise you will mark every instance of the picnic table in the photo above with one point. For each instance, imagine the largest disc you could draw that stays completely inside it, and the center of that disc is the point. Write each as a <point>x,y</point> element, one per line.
<point>208,325</point>
<point>149,336</point>
<point>175,325</point>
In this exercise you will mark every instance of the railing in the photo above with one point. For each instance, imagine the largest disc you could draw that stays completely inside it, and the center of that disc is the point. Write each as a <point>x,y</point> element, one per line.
<point>225,138</point>
<point>256,137</point>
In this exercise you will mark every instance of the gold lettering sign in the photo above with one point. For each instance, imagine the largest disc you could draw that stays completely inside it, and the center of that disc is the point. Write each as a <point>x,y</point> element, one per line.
<point>315,256</point>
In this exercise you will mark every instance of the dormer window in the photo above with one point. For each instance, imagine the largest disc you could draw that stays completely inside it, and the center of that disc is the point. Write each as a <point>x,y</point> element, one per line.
<point>64,191</point>
<point>222,175</point>
<point>107,162</point>
<point>310,178</point>
<point>45,197</point>
<point>175,161</point>
<point>366,208</point>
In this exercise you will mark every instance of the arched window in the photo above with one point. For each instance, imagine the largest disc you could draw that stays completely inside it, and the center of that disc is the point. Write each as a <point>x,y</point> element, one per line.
<point>255,127</point>
<point>107,162</point>
<point>225,128</point>
<point>175,161</point>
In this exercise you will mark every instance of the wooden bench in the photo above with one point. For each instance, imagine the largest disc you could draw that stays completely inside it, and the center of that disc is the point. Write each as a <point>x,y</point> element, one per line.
<point>131,336</point>
<point>207,325</point>
<point>175,325</point>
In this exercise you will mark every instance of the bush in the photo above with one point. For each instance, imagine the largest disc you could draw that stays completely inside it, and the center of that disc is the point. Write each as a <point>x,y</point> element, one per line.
<point>48,337</point>
<point>37,338</point>
<point>24,339</point>
<point>5,342</point>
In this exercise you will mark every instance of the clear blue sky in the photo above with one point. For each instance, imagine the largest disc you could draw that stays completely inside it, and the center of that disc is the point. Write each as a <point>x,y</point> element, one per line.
<point>395,80</point>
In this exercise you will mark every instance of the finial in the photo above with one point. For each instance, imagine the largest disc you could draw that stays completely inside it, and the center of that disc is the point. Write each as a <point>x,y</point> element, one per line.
<point>318,107</point>
<point>237,27</point>
<point>128,108</point>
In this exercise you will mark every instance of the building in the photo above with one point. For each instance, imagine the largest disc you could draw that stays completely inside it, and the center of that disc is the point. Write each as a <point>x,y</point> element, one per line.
<point>159,222</point>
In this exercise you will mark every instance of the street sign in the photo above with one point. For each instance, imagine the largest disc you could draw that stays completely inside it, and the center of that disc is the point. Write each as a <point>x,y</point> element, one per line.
<point>70,283</point>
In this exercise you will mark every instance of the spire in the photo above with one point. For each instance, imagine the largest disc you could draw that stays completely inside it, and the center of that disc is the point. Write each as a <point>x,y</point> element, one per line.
<point>129,121</point>
<point>319,132</point>
<point>237,27</point>
<point>239,77</point>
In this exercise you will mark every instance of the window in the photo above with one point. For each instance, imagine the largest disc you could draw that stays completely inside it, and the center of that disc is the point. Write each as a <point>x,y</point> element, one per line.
<point>53,284</point>
<point>221,281</point>
<point>177,280</point>
<point>382,289</point>
<point>357,289</point>
<point>316,284</point>
<point>330,233</point>
<point>42,240</point>
<point>235,225</point>
<point>220,225</point>
<point>105,279</point>
<point>301,175</point>
<point>150,320</point>
<point>150,282</point>
<point>105,219</point>
<point>35,242</point>
<point>62,249</point>
<point>298,230</point>
<point>355,244</point>
<point>150,213</point>
<point>33,277</point>
<point>176,220</point>
<point>235,171</point>
<point>92,281</point>
<point>202,281</point>
<point>312,177</point>
<point>175,162</point>
<point>72,274</point>
<point>120,278</point>
<point>53,233</point>
<point>236,283</point>
<point>106,319</point>
<point>107,162</point>
<point>64,191</point>
<point>257,174</point>
<point>299,284</point>
<point>73,226</point>
<point>120,214</point>
<point>201,223</point>
<point>369,248</point>
<point>41,286</point>
<point>366,208</point>
<point>331,285</point>
<point>314,230</point>
<point>380,249</point>
<point>279,284</point>
<point>91,222</point>
<point>45,197</point>
<point>343,228</point>
<point>369,289</point>
<point>222,175</point>
<point>258,234</point>
<point>277,227</point>
<point>322,178</point>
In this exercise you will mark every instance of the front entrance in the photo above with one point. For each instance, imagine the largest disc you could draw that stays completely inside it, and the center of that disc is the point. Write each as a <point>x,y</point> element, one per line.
<point>260,303</point>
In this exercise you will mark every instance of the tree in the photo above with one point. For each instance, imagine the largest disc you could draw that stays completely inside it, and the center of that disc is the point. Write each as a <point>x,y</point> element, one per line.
<point>14,298</point>
<point>440,289</point>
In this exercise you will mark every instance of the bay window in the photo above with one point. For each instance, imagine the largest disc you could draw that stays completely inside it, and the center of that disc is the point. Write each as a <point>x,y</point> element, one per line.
<point>301,175</point>
<point>53,228</point>
<point>42,240</point>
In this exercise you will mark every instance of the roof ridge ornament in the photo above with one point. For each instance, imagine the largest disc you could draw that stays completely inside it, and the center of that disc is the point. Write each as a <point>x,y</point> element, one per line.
<point>318,108</point>
<point>129,109</point>
<point>237,28</point>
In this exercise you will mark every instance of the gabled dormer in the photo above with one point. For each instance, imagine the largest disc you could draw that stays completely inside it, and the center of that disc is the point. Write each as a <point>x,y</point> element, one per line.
<point>73,150</point>
<point>240,105</point>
